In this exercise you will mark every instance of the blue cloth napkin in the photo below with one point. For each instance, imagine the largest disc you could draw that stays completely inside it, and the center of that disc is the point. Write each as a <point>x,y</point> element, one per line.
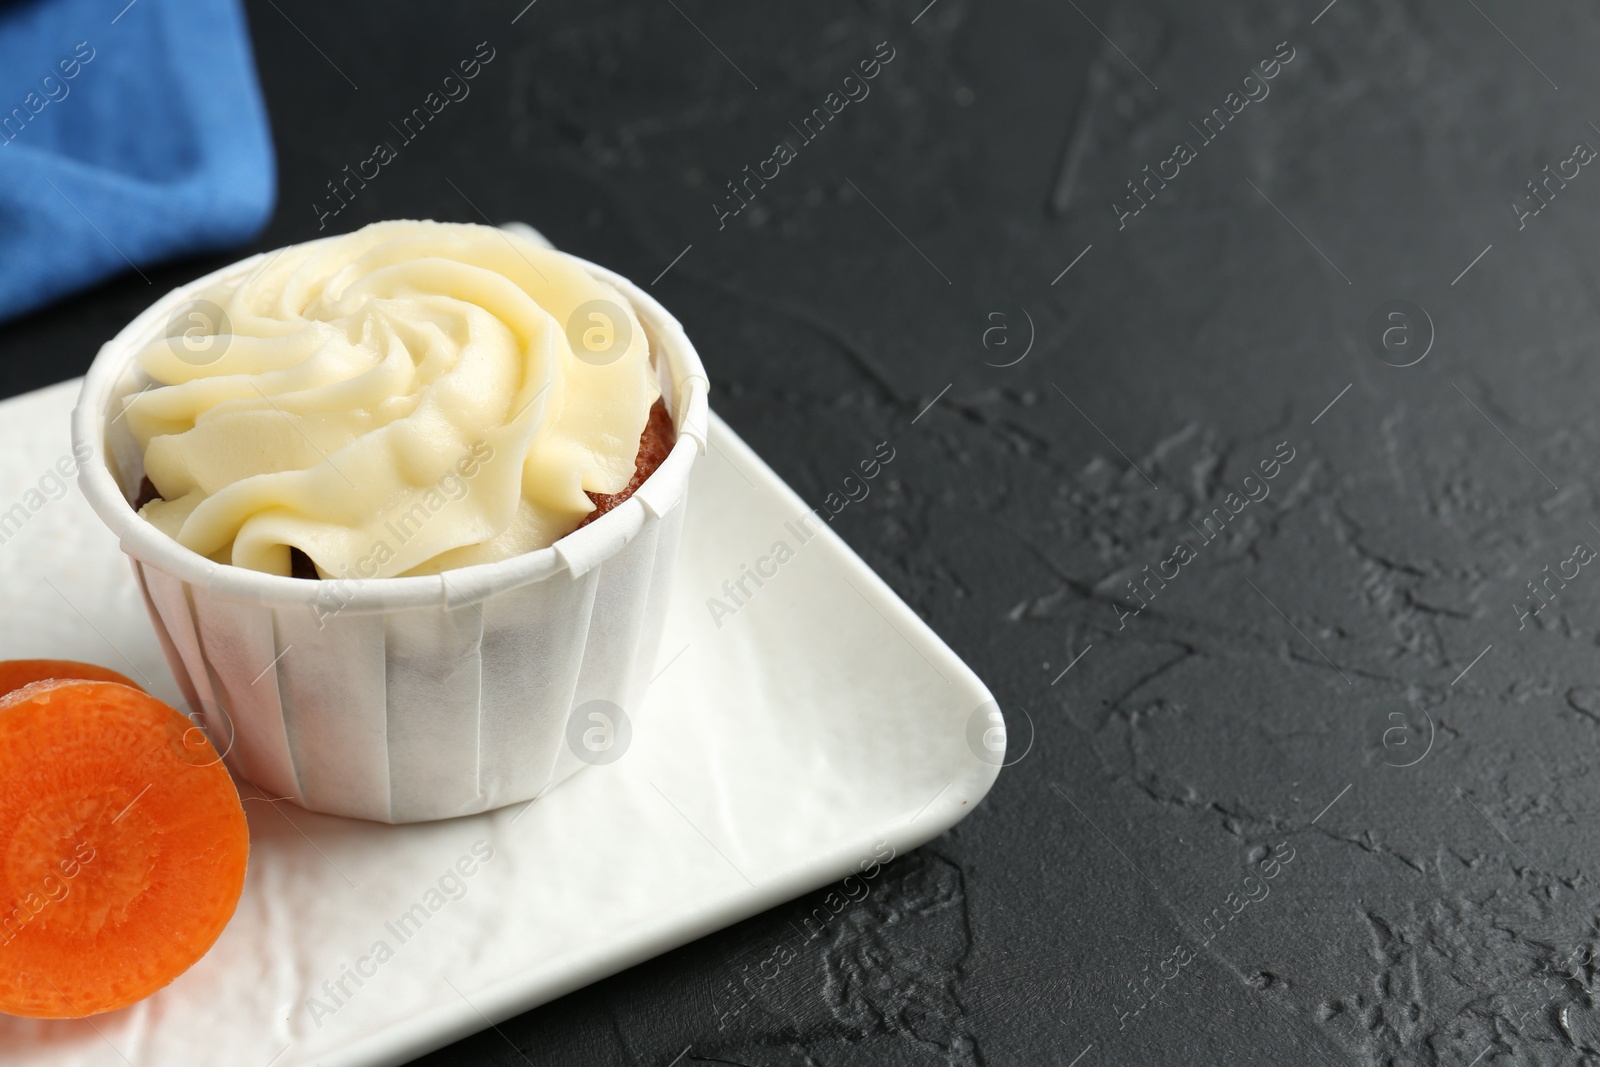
<point>128,135</point>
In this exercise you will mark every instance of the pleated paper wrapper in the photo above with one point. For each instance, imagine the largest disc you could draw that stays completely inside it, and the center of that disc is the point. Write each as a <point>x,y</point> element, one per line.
<point>408,699</point>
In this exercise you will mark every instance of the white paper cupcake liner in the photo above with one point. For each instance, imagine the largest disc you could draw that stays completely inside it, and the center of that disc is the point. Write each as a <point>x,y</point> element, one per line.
<point>408,699</point>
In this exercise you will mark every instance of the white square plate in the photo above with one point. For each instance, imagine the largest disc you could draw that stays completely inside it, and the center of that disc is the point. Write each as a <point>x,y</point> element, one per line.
<point>777,752</point>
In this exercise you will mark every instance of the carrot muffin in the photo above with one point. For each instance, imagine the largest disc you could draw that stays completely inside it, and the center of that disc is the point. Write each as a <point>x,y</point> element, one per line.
<point>472,450</point>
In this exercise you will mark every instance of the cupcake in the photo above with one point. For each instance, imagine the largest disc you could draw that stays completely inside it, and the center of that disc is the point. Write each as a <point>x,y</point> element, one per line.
<point>403,504</point>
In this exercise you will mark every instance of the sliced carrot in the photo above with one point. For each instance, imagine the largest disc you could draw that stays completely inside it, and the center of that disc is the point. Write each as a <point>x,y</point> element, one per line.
<point>16,673</point>
<point>122,855</point>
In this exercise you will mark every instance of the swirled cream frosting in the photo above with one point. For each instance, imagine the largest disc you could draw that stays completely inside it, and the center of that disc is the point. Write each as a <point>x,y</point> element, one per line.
<point>405,399</point>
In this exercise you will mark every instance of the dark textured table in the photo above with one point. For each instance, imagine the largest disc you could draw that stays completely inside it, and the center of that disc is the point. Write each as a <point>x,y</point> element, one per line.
<point>1243,389</point>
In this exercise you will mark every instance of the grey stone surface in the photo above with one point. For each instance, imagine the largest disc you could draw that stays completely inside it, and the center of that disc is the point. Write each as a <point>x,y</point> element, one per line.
<point>1340,676</point>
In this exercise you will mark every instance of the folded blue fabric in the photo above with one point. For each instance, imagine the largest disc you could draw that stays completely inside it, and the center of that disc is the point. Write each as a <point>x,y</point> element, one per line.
<point>128,135</point>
